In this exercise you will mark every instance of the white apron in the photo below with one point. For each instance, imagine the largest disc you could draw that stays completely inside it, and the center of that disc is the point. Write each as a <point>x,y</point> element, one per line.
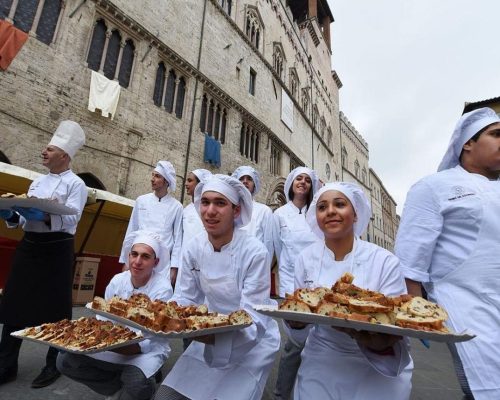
<point>198,374</point>
<point>471,295</point>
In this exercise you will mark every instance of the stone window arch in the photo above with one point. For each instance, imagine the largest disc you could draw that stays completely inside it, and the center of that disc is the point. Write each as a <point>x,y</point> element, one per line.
<point>279,60</point>
<point>4,158</point>
<point>305,100</point>
<point>39,17</point>
<point>254,26</point>
<point>344,157</point>
<point>329,138</point>
<point>315,117</point>
<point>249,142</point>
<point>170,90</point>
<point>111,53</point>
<point>322,128</point>
<point>363,175</point>
<point>328,171</point>
<point>213,118</point>
<point>356,168</point>
<point>227,6</point>
<point>294,83</point>
<point>91,180</point>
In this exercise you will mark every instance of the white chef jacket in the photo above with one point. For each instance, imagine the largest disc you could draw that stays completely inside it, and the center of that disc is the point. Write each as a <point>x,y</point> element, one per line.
<point>162,216</point>
<point>440,223</point>
<point>291,235</point>
<point>237,277</point>
<point>154,349</point>
<point>448,239</point>
<point>68,189</point>
<point>261,225</point>
<point>333,365</point>
<point>191,223</point>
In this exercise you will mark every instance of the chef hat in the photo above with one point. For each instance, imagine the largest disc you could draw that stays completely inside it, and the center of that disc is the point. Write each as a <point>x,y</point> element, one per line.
<point>359,202</point>
<point>296,172</point>
<point>467,126</point>
<point>69,136</point>
<point>251,172</point>
<point>167,170</point>
<point>231,188</point>
<point>202,174</point>
<point>152,239</point>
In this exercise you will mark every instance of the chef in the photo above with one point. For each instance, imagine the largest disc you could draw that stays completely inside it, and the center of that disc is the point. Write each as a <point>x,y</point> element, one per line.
<point>261,225</point>
<point>348,364</point>
<point>448,242</point>
<point>128,372</point>
<point>39,286</point>
<point>161,213</point>
<point>229,270</point>
<point>291,235</point>
<point>191,222</point>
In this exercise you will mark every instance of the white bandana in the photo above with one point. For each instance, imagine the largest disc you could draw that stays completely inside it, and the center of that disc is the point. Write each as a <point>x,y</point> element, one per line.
<point>167,170</point>
<point>359,202</point>
<point>202,174</point>
<point>148,238</point>
<point>296,172</point>
<point>251,172</point>
<point>467,126</point>
<point>231,188</point>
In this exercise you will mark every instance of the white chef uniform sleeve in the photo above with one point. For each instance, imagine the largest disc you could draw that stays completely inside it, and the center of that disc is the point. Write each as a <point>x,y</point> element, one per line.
<point>187,290</point>
<point>228,347</point>
<point>176,256</point>
<point>277,235</point>
<point>268,227</point>
<point>77,197</point>
<point>420,227</point>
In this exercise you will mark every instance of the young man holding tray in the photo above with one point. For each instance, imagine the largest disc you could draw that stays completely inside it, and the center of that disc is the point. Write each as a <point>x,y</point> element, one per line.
<point>38,288</point>
<point>228,270</point>
<point>128,372</point>
<point>448,243</point>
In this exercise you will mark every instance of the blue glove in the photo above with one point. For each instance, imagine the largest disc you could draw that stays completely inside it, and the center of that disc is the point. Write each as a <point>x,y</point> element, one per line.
<point>6,214</point>
<point>31,214</point>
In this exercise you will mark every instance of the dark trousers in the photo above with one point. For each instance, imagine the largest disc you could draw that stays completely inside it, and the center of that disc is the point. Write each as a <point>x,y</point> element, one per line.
<point>10,347</point>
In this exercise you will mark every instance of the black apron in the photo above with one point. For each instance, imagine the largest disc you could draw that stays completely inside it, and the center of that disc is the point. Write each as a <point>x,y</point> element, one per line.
<point>39,285</point>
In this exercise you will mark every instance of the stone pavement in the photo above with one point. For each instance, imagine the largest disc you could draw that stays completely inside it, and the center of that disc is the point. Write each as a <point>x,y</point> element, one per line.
<point>433,377</point>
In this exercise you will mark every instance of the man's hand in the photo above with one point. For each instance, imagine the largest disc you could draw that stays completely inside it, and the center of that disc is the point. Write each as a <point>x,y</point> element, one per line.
<point>6,214</point>
<point>173,275</point>
<point>32,214</point>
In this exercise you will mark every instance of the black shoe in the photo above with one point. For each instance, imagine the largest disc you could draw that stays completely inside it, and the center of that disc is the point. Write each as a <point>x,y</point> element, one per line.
<point>8,374</point>
<point>48,376</point>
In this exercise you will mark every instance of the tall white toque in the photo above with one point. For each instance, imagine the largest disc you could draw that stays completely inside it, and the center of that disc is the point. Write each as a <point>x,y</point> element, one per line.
<point>69,136</point>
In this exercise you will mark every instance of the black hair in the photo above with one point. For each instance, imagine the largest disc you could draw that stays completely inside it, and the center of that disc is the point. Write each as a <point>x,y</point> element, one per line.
<point>475,138</point>
<point>309,196</point>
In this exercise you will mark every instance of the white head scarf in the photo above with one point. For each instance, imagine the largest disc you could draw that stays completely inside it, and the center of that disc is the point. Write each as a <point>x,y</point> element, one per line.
<point>231,188</point>
<point>69,136</point>
<point>251,172</point>
<point>467,126</point>
<point>167,170</point>
<point>359,202</point>
<point>202,174</point>
<point>149,238</point>
<point>296,172</point>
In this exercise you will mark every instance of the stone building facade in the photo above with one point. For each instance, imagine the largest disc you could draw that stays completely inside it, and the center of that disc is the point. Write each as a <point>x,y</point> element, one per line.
<point>185,67</point>
<point>255,75</point>
<point>354,155</point>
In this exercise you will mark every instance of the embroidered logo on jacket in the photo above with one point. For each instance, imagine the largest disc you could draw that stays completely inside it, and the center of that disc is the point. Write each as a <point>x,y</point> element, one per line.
<point>459,192</point>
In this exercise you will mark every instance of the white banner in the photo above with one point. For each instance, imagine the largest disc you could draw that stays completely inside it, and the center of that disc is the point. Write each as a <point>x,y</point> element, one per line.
<point>286,110</point>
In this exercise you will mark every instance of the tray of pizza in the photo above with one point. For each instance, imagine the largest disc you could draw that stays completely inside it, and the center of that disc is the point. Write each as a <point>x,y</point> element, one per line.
<point>168,320</point>
<point>345,305</point>
<point>51,206</point>
<point>81,336</point>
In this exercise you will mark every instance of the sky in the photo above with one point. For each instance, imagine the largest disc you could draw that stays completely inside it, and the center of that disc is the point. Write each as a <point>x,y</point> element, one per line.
<point>407,69</point>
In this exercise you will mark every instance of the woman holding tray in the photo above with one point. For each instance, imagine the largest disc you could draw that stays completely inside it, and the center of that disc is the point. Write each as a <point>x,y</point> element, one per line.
<point>229,270</point>
<point>345,363</point>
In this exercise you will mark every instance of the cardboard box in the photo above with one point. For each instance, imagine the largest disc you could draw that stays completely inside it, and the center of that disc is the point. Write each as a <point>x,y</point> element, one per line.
<point>84,279</point>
